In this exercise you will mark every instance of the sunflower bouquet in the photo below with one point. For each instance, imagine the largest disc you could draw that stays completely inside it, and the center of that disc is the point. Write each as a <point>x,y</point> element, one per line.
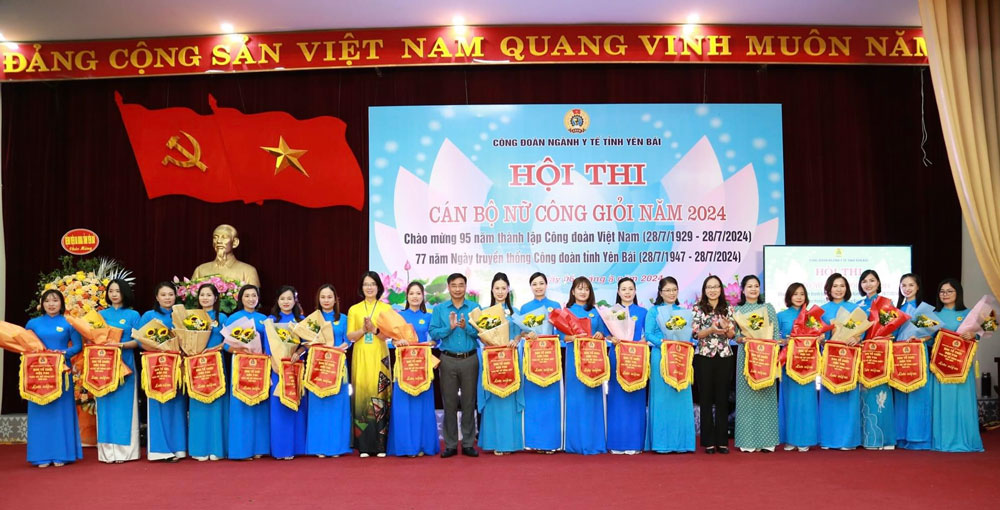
<point>810,323</point>
<point>676,324</point>
<point>194,331</point>
<point>308,330</point>
<point>534,321</point>
<point>242,333</point>
<point>492,325</point>
<point>755,324</point>
<point>282,342</point>
<point>924,323</point>
<point>156,336</point>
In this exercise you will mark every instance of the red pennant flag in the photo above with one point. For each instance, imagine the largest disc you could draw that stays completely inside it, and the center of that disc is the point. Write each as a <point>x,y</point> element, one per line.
<point>178,152</point>
<point>277,156</point>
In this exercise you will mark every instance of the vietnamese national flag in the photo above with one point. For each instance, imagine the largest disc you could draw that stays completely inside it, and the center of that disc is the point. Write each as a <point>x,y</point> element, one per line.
<point>149,131</point>
<point>320,171</point>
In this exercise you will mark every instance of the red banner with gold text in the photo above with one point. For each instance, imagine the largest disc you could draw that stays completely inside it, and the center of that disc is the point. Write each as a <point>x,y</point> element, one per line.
<point>909,366</point>
<point>839,367</point>
<point>876,361</point>
<point>802,359</point>
<point>325,370</point>
<point>632,365</point>
<point>203,376</point>
<point>41,376</point>
<point>501,374</point>
<point>952,357</point>
<point>101,369</point>
<point>251,377</point>
<point>422,46</point>
<point>543,360</point>
<point>590,356</point>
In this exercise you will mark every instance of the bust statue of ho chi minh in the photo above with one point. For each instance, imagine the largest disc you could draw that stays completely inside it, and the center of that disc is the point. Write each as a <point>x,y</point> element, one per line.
<point>225,239</point>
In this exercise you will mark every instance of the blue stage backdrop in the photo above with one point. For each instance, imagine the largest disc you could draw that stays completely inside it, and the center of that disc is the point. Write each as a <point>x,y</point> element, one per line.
<point>598,190</point>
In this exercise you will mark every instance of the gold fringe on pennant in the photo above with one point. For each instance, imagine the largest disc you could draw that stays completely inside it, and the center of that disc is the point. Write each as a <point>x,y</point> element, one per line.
<point>591,382</point>
<point>644,379</point>
<point>688,379</point>
<point>877,381</point>
<point>831,386</point>
<point>410,389</point>
<point>497,390</point>
<point>117,376</point>
<point>62,381</point>
<point>203,397</point>
<point>161,396</point>
<point>261,396</point>
<point>921,381</point>
<point>808,378</point>
<point>954,379</point>
<point>538,380</point>
<point>315,389</point>
<point>768,381</point>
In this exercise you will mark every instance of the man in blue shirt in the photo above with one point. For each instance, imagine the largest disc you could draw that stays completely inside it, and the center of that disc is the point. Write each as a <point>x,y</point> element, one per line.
<point>452,328</point>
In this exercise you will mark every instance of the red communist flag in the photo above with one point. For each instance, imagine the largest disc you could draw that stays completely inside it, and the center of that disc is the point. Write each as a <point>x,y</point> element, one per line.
<point>178,152</point>
<point>276,156</point>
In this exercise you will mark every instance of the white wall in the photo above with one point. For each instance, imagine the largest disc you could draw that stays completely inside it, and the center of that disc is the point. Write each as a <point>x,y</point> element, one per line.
<point>975,287</point>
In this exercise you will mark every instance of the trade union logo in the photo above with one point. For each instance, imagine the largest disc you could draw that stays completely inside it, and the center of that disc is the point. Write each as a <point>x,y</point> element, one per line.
<point>576,120</point>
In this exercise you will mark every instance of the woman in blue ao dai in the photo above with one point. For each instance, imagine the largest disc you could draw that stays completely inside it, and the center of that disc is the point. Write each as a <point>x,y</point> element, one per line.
<point>501,419</point>
<point>913,409</point>
<point>954,410</point>
<point>585,430</point>
<point>288,427</point>
<point>413,420</point>
<point>249,429</point>
<point>328,419</point>
<point>840,413</point>
<point>671,413</point>
<point>166,422</point>
<point>627,409</point>
<point>207,425</point>
<point>878,418</point>
<point>53,430</point>
<point>118,411</point>
<point>799,403</point>
<point>543,407</point>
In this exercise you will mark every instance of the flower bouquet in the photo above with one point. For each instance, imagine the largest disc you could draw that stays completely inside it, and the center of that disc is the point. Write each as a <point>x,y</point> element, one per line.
<point>810,323</point>
<point>618,321</point>
<point>16,339</point>
<point>849,325</point>
<point>282,342</point>
<point>569,324</point>
<point>885,318</point>
<point>309,329</point>
<point>392,325</point>
<point>675,324</point>
<point>242,333</point>
<point>94,329</point>
<point>194,331</point>
<point>755,324</point>
<point>924,323</point>
<point>228,288</point>
<point>533,322</point>
<point>982,319</point>
<point>156,336</point>
<point>492,325</point>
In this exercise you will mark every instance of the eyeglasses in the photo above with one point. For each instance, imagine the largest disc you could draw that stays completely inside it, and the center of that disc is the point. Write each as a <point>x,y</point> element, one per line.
<point>712,287</point>
<point>946,291</point>
<point>369,285</point>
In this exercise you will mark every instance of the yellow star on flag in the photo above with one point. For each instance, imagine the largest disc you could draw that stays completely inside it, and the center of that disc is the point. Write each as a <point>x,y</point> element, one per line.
<point>286,157</point>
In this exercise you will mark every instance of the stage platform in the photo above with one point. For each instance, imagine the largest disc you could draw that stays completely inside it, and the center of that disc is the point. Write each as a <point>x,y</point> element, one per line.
<point>816,479</point>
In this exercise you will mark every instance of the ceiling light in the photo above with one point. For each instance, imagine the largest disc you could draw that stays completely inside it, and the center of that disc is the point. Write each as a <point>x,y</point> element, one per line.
<point>227,28</point>
<point>693,18</point>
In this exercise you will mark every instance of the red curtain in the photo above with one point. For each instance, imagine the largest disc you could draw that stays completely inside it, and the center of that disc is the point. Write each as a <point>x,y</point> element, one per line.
<point>852,139</point>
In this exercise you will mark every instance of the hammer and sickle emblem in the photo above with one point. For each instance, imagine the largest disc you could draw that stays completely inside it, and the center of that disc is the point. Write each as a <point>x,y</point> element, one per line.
<point>193,156</point>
